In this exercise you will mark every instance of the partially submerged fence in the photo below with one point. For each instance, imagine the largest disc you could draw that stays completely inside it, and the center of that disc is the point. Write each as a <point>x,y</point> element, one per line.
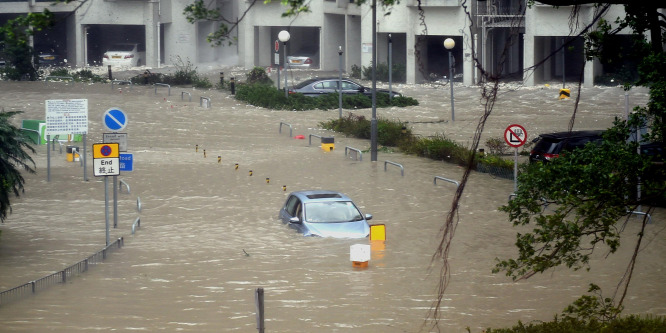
<point>33,287</point>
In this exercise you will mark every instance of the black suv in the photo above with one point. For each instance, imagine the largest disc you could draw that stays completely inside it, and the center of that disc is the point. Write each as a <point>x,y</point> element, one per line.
<point>551,145</point>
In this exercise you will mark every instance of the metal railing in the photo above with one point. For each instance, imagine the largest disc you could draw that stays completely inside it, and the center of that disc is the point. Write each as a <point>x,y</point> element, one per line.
<point>202,99</point>
<point>82,266</point>
<point>46,79</point>
<point>119,82</point>
<point>310,138</point>
<point>434,181</point>
<point>182,94</point>
<point>136,225</point>
<point>162,85</point>
<point>290,128</point>
<point>123,182</point>
<point>39,135</point>
<point>402,169</point>
<point>358,152</point>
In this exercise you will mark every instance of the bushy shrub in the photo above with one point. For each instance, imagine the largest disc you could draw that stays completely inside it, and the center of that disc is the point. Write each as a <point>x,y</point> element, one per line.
<point>496,146</point>
<point>186,74</point>
<point>355,72</point>
<point>266,95</point>
<point>389,133</point>
<point>629,324</point>
<point>382,74</point>
<point>258,75</point>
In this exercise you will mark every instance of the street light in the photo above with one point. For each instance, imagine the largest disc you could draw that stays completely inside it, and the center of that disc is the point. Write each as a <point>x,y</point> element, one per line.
<point>283,36</point>
<point>340,83</point>
<point>449,44</point>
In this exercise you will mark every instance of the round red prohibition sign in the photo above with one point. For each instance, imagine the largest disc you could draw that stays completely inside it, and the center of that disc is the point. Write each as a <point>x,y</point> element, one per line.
<point>515,135</point>
<point>106,150</point>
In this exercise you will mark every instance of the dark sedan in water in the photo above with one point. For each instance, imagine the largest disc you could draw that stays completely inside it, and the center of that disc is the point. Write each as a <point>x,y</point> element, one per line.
<point>321,86</point>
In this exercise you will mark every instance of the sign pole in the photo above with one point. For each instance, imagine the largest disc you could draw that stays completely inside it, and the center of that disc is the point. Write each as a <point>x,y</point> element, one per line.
<point>85,161</point>
<point>106,207</point>
<point>48,158</point>
<point>115,202</point>
<point>515,170</point>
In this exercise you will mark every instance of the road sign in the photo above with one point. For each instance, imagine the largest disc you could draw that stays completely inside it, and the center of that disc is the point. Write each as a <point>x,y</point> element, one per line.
<point>114,119</point>
<point>126,162</point>
<point>120,138</point>
<point>66,116</point>
<point>106,167</point>
<point>106,161</point>
<point>106,150</point>
<point>515,135</point>
<point>277,46</point>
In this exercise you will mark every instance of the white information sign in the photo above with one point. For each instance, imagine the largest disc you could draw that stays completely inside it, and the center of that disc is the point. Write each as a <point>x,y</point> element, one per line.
<point>120,138</point>
<point>106,166</point>
<point>66,116</point>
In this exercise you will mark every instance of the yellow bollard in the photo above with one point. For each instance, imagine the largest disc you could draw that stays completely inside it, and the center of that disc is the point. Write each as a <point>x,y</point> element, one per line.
<point>268,180</point>
<point>236,166</point>
<point>250,172</point>
<point>204,153</point>
<point>565,93</point>
<point>219,159</point>
<point>378,232</point>
<point>196,149</point>
<point>284,188</point>
<point>327,144</point>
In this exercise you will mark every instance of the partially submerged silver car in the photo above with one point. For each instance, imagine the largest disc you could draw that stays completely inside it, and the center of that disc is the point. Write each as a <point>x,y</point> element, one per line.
<point>325,214</point>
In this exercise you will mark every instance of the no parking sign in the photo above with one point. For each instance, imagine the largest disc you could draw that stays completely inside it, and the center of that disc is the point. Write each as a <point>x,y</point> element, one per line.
<point>515,135</point>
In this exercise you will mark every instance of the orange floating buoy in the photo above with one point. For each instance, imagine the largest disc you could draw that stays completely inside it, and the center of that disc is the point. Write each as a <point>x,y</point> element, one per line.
<point>301,137</point>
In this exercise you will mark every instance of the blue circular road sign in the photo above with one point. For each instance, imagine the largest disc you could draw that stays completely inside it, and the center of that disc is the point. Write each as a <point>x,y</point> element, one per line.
<point>114,119</point>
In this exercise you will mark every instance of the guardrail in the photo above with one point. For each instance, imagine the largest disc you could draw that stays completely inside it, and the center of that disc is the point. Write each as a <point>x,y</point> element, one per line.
<point>434,181</point>
<point>162,85</point>
<point>138,204</point>
<point>58,77</point>
<point>136,225</point>
<point>402,169</point>
<point>358,152</point>
<point>290,128</point>
<point>183,93</point>
<point>82,266</point>
<point>121,183</point>
<point>119,82</point>
<point>207,99</point>
<point>310,138</point>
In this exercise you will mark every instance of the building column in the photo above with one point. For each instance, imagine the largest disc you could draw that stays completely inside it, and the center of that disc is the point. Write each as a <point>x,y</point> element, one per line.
<point>152,35</point>
<point>529,53</point>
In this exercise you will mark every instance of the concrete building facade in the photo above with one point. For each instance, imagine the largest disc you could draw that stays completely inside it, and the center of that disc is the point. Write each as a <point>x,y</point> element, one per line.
<point>500,36</point>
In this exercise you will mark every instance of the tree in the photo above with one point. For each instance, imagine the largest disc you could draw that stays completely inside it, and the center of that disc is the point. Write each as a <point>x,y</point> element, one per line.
<point>14,156</point>
<point>582,201</point>
<point>20,56</point>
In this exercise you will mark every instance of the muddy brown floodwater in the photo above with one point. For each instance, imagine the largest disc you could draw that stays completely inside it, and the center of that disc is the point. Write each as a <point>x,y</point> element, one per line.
<point>210,236</point>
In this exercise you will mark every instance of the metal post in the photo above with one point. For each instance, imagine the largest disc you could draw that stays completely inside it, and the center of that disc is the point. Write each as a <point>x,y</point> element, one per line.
<point>85,161</point>
<point>48,158</point>
<point>278,69</point>
<point>390,66</point>
<point>563,68</point>
<point>286,90</point>
<point>106,207</point>
<point>259,299</point>
<point>453,115</point>
<point>115,202</point>
<point>340,85</point>
<point>515,170</point>
<point>373,122</point>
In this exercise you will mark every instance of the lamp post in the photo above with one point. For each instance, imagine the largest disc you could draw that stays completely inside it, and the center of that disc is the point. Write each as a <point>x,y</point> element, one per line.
<point>283,36</point>
<point>390,65</point>
<point>449,44</point>
<point>340,84</point>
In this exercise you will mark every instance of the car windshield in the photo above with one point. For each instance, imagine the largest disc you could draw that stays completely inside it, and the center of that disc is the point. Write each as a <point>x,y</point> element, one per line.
<point>122,47</point>
<point>331,211</point>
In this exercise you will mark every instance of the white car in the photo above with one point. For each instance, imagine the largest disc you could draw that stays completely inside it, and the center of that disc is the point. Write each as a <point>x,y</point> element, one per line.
<point>122,55</point>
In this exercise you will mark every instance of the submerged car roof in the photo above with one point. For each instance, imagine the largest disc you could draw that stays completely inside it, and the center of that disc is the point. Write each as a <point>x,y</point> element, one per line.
<point>572,134</point>
<point>320,195</point>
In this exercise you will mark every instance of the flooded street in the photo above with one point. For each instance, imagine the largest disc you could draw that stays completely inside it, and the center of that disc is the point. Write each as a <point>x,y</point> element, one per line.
<point>210,235</point>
